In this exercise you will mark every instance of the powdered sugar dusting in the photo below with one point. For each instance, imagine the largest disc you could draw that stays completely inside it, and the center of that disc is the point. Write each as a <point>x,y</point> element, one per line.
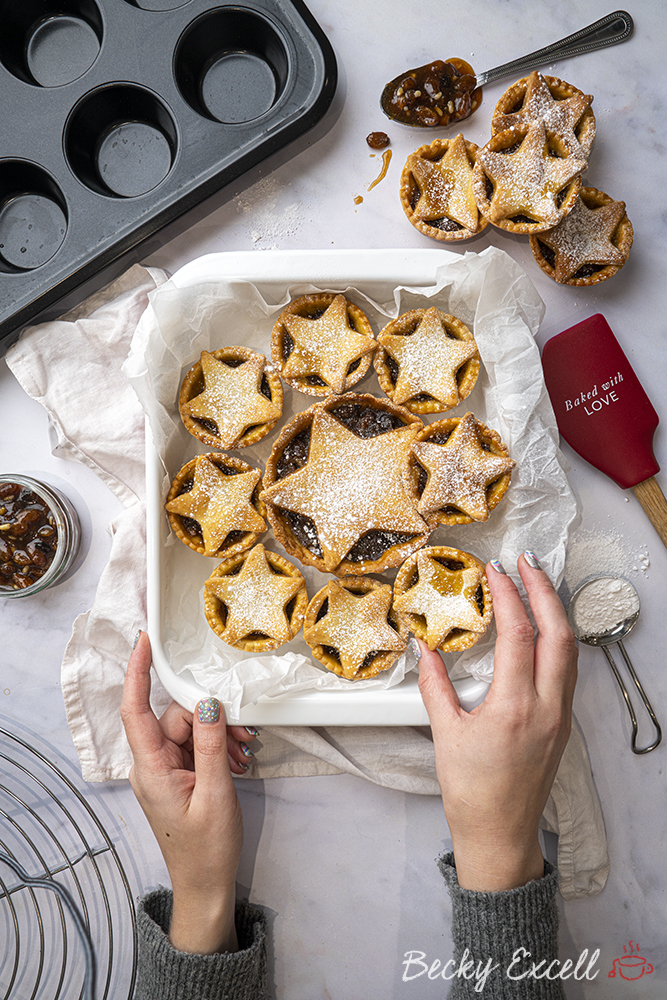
<point>602,605</point>
<point>460,471</point>
<point>603,553</point>
<point>269,223</point>
<point>355,625</point>
<point>560,115</point>
<point>349,486</point>
<point>325,346</point>
<point>231,398</point>
<point>428,360</point>
<point>584,237</point>
<point>526,181</point>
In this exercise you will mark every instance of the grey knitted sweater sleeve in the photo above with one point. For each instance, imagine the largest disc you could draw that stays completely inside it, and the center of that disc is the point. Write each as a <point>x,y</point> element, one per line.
<point>167,974</point>
<point>492,932</point>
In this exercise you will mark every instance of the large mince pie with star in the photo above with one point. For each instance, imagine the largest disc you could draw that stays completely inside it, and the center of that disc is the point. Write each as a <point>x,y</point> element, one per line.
<point>525,180</point>
<point>590,245</point>
<point>256,600</point>
<point>213,505</point>
<point>564,110</point>
<point>322,344</point>
<point>230,398</point>
<point>334,489</point>
<point>442,594</point>
<point>351,627</point>
<point>459,471</point>
<point>436,190</point>
<point>427,360</point>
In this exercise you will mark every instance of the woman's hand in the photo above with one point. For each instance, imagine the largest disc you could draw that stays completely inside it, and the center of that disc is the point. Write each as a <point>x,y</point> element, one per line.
<point>182,779</point>
<point>496,764</point>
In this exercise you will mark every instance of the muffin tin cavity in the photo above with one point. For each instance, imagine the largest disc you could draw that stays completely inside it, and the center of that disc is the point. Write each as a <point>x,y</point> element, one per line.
<point>121,141</point>
<point>158,4</point>
<point>49,43</point>
<point>231,65</point>
<point>33,216</point>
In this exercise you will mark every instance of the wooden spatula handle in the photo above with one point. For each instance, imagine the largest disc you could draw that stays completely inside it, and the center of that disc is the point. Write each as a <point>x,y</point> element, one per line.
<point>654,503</point>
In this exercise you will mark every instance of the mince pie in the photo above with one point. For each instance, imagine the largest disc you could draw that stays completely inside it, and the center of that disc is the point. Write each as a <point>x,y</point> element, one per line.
<point>564,110</point>
<point>334,489</point>
<point>213,505</point>
<point>322,344</point>
<point>351,628</point>
<point>459,471</point>
<point>255,601</point>
<point>427,360</point>
<point>230,399</point>
<point>525,180</point>
<point>436,190</point>
<point>443,596</point>
<point>590,245</point>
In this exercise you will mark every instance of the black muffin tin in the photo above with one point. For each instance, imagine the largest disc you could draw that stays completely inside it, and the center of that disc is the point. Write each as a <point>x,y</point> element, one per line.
<point>120,115</point>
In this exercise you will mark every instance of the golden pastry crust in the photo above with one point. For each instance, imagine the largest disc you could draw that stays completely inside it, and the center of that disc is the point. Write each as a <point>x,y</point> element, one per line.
<point>322,344</point>
<point>228,504</point>
<point>443,596</point>
<point>255,601</point>
<point>565,110</point>
<point>235,392</point>
<point>459,471</point>
<point>427,360</point>
<point>355,634</point>
<point>436,190</point>
<point>336,499</point>
<point>590,245</point>
<point>525,181</point>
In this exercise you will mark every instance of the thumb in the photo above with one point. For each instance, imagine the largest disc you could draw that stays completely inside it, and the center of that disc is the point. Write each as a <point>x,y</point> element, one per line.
<point>437,691</point>
<point>209,738</point>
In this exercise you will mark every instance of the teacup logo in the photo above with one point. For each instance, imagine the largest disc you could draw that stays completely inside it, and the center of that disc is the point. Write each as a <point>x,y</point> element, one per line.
<point>631,965</point>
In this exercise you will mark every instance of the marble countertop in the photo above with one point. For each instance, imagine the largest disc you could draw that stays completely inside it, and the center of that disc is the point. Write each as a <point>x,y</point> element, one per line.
<point>352,896</point>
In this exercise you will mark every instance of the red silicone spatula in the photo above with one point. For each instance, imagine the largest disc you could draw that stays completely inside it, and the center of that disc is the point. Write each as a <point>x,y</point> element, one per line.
<point>603,412</point>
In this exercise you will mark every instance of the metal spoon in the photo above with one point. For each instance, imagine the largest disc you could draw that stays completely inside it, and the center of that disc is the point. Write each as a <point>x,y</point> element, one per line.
<point>447,92</point>
<point>605,637</point>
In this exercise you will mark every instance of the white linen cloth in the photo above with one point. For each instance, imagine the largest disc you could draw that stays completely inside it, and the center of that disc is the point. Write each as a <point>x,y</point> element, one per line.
<point>102,425</point>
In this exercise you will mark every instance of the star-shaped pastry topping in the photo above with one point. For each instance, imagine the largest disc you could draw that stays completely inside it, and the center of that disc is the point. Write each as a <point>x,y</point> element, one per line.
<point>558,116</point>
<point>459,471</point>
<point>355,625</point>
<point>232,397</point>
<point>350,485</point>
<point>326,346</point>
<point>528,180</point>
<point>446,599</point>
<point>584,237</point>
<point>428,360</point>
<point>219,503</point>
<point>255,599</point>
<point>445,186</point>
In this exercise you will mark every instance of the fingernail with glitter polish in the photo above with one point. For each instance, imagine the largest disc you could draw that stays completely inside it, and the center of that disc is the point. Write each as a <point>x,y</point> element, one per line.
<point>414,646</point>
<point>246,749</point>
<point>498,566</point>
<point>532,560</point>
<point>208,710</point>
<point>251,730</point>
<point>137,637</point>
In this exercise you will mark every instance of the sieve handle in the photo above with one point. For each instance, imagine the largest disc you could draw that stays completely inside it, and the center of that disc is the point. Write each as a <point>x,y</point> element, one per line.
<point>626,696</point>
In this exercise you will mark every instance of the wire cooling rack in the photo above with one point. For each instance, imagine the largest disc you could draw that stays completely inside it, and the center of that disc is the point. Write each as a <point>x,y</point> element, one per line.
<point>53,837</point>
